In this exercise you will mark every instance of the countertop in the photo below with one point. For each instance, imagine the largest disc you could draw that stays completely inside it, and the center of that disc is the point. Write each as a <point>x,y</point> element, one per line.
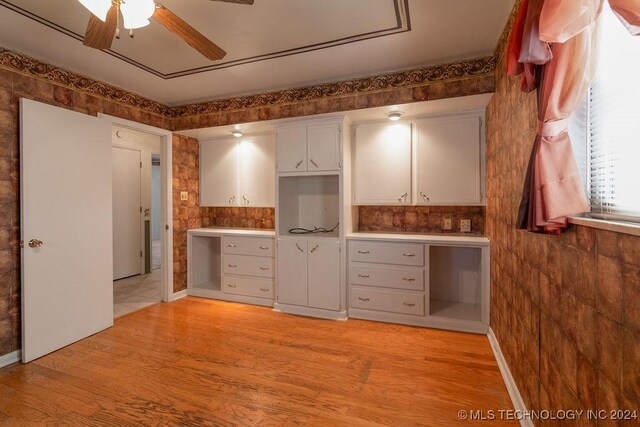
<point>226,231</point>
<point>449,238</point>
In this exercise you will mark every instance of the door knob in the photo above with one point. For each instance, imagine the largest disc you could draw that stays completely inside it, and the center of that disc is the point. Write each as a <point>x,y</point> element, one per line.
<point>35,243</point>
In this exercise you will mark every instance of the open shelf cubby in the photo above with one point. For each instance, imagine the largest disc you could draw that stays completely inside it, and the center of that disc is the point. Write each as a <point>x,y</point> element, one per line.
<point>205,263</point>
<point>455,283</point>
<point>308,202</point>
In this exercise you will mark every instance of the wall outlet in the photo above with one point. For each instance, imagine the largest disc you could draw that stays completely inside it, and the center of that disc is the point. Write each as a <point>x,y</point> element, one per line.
<point>465,225</point>
<point>184,195</point>
<point>446,224</point>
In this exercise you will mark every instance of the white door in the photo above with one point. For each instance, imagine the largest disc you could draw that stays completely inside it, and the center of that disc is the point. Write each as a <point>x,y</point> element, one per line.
<point>127,215</point>
<point>256,157</point>
<point>292,149</point>
<point>324,274</point>
<point>448,161</point>
<point>292,271</point>
<point>65,178</point>
<point>323,147</point>
<point>218,173</point>
<point>383,164</point>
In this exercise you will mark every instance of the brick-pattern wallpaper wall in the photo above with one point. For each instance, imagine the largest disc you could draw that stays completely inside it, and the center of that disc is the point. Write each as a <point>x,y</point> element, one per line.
<point>14,86</point>
<point>419,219</point>
<point>565,310</point>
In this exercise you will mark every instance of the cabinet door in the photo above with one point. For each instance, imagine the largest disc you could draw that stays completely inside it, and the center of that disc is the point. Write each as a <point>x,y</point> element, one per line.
<point>324,274</point>
<point>257,163</point>
<point>323,147</point>
<point>448,161</point>
<point>292,271</point>
<point>292,149</point>
<point>383,164</point>
<point>218,173</point>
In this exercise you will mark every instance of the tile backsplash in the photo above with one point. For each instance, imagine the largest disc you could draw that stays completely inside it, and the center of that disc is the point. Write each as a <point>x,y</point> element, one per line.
<point>419,219</point>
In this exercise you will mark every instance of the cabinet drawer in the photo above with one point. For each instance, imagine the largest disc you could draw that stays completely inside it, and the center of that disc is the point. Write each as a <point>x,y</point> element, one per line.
<point>248,265</point>
<point>249,286</point>
<point>387,253</point>
<point>390,301</point>
<point>387,276</point>
<point>257,246</point>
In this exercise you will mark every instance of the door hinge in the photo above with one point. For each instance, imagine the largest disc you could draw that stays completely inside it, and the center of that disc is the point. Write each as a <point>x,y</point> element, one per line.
<point>140,165</point>
<point>140,209</point>
<point>140,254</point>
<point>166,227</point>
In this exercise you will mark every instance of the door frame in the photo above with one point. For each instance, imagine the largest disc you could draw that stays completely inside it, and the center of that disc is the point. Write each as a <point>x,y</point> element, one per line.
<point>166,198</point>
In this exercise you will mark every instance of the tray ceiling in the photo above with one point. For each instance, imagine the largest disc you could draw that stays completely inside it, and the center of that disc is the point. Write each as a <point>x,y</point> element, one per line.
<point>271,45</point>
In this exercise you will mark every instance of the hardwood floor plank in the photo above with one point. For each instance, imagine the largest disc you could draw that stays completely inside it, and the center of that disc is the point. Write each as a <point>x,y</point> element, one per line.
<point>205,362</point>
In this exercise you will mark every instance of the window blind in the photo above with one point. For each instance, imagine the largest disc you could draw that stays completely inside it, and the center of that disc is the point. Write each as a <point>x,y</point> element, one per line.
<point>614,124</point>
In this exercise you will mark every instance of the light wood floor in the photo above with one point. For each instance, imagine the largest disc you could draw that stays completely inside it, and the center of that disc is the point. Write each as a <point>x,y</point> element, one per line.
<point>203,362</point>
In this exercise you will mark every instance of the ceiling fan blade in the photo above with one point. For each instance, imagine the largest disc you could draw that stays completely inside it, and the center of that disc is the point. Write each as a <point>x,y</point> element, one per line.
<point>247,2</point>
<point>186,32</point>
<point>100,34</point>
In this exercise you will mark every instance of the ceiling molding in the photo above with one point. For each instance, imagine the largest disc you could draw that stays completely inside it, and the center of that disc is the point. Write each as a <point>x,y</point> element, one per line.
<point>506,32</point>
<point>402,24</point>
<point>402,79</point>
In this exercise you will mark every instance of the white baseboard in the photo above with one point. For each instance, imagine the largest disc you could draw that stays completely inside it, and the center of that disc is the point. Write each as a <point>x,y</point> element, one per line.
<point>180,294</point>
<point>10,358</point>
<point>512,388</point>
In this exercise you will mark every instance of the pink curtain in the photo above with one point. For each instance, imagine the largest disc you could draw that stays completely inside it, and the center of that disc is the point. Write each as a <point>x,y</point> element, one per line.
<point>552,45</point>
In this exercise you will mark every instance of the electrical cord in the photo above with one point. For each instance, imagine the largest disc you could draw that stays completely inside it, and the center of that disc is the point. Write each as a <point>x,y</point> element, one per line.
<point>300,230</point>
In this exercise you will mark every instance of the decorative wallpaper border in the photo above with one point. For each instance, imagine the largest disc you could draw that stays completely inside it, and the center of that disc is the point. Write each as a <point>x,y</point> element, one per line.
<point>401,79</point>
<point>33,67</point>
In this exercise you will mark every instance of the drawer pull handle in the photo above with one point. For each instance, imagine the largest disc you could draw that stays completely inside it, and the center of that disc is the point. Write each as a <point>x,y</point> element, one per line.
<point>231,245</point>
<point>232,265</point>
<point>364,299</point>
<point>264,289</point>
<point>299,248</point>
<point>315,248</point>
<point>264,268</point>
<point>409,279</point>
<point>363,252</point>
<point>408,254</point>
<point>364,276</point>
<point>409,304</point>
<point>313,163</point>
<point>264,248</point>
<point>232,286</point>
<point>298,164</point>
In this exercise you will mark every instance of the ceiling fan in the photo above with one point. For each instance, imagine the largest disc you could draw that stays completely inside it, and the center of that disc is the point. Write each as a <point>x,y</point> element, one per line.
<point>105,19</point>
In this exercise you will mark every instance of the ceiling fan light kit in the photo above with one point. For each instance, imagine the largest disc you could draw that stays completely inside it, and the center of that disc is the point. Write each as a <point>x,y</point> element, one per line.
<point>105,17</point>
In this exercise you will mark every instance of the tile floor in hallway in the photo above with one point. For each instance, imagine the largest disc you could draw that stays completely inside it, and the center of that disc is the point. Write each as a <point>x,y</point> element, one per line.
<point>134,293</point>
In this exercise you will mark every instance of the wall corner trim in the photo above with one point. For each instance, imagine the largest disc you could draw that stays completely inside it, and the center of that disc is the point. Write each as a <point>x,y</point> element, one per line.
<point>178,295</point>
<point>10,358</point>
<point>512,388</point>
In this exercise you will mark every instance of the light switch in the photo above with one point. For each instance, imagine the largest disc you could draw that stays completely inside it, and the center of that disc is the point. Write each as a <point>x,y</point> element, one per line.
<point>446,224</point>
<point>184,195</point>
<point>465,225</point>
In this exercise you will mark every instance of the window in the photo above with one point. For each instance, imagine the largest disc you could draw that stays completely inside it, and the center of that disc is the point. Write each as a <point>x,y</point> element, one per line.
<point>613,128</point>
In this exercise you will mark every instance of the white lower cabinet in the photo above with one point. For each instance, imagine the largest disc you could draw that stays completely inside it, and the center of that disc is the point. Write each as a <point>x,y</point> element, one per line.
<point>440,282</point>
<point>309,273</point>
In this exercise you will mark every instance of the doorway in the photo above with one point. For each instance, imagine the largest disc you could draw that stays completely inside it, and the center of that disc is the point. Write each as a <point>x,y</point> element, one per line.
<point>137,157</point>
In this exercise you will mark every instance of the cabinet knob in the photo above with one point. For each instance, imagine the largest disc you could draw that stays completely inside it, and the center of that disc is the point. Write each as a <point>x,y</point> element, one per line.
<point>364,299</point>
<point>313,163</point>
<point>35,243</point>
<point>298,164</point>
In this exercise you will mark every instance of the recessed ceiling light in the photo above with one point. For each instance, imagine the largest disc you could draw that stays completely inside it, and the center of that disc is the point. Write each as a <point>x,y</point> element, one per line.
<point>237,133</point>
<point>394,115</point>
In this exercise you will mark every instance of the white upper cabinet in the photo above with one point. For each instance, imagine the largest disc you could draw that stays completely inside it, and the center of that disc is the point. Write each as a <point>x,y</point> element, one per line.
<point>218,173</point>
<point>238,172</point>
<point>257,171</point>
<point>323,147</point>
<point>292,149</point>
<point>382,171</point>
<point>309,148</point>
<point>448,161</point>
